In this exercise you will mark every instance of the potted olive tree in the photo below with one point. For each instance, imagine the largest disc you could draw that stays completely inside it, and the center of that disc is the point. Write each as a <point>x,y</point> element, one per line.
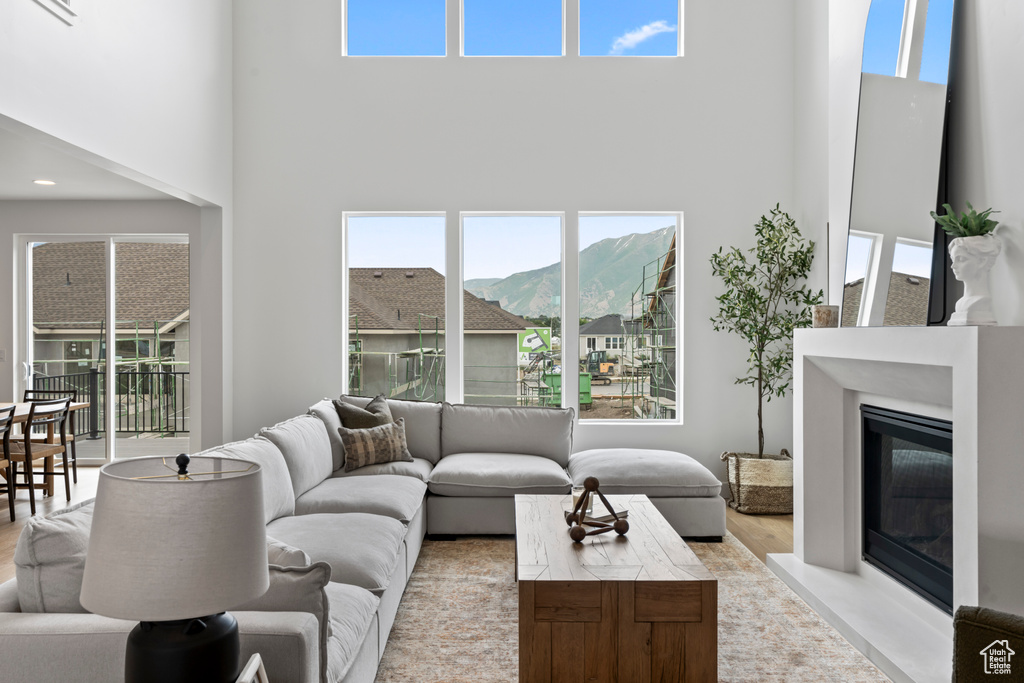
<point>765,299</point>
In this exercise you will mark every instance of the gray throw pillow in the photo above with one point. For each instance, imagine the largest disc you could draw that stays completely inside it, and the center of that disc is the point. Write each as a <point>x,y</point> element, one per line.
<point>284,555</point>
<point>386,443</point>
<point>298,589</point>
<point>49,560</point>
<point>375,414</point>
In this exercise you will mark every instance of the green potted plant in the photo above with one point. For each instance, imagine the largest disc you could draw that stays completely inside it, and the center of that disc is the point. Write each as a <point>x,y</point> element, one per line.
<point>973,251</point>
<point>765,299</point>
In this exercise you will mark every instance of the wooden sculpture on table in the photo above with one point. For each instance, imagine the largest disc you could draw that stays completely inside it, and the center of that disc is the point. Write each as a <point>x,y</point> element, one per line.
<point>577,519</point>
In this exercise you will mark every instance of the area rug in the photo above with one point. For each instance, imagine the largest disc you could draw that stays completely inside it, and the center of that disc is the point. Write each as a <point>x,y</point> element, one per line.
<point>458,621</point>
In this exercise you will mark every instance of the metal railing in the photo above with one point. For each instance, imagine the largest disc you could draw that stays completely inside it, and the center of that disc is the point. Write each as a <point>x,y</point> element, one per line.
<point>147,402</point>
<point>152,402</point>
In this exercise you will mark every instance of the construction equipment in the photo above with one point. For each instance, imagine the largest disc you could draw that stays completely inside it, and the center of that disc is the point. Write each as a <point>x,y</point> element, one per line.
<point>600,367</point>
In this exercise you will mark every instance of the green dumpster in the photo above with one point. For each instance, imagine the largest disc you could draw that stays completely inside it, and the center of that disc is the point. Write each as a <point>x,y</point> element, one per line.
<point>553,398</point>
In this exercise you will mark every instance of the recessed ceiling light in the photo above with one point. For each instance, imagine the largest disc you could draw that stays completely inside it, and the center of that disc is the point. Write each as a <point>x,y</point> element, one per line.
<point>44,182</point>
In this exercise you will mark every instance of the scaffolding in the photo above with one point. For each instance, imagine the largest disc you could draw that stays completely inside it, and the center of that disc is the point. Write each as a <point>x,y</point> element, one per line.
<point>649,360</point>
<point>416,373</point>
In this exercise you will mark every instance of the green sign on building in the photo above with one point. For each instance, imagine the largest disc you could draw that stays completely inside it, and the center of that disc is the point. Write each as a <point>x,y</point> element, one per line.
<point>534,341</point>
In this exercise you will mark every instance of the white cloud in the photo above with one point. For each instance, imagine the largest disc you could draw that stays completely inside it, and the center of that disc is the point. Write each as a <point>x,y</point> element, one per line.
<point>631,39</point>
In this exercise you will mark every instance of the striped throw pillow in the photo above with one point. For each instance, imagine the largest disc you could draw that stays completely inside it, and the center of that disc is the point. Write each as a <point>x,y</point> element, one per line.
<point>386,443</point>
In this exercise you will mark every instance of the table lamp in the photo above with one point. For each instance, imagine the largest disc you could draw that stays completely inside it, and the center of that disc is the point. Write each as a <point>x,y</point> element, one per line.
<point>174,543</point>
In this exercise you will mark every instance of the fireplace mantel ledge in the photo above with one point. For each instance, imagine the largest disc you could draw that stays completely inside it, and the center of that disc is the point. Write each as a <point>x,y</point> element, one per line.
<point>972,375</point>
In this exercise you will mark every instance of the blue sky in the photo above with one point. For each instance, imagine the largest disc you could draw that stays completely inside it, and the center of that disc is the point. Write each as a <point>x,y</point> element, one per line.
<point>513,27</point>
<point>629,27</point>
<point>493,246</point>
<point>882,39</point>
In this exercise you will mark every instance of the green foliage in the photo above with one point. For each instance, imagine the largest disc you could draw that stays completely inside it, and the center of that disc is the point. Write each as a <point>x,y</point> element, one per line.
<point>969,224</point>
<point>765,301</point>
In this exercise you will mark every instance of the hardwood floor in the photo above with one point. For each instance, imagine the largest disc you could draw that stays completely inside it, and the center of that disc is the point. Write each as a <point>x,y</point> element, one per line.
<point>9,531</point>
<point>762,534</point>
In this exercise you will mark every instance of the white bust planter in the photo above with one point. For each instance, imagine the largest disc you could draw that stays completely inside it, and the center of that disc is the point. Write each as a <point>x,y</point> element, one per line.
<point>973,258</point>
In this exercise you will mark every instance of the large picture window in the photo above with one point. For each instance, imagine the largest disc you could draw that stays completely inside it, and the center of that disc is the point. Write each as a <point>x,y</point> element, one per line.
<point>396,305</point>
<point>512,317</point>
<point>638,28</point>
<point>394,28</point>
<point>629,319</point>
<point>623,363</point>
<point>512,28</point>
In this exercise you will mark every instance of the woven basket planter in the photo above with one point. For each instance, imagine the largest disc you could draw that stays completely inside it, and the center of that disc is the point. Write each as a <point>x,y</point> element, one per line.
<point>761,486</point>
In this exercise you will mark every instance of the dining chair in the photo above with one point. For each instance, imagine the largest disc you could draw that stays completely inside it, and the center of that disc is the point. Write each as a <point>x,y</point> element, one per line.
<point>6,421</point>
<point>32,395</point>
<point>42,414</point>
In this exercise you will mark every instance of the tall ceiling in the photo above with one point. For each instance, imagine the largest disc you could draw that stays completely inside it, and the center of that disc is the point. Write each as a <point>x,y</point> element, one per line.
<point>23,161</point>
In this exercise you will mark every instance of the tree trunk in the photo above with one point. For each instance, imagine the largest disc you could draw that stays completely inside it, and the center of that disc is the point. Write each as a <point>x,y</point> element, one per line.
<point>760,424</point>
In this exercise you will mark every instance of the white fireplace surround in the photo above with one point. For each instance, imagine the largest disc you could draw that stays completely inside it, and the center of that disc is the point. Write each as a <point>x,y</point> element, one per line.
<point>973,376</point>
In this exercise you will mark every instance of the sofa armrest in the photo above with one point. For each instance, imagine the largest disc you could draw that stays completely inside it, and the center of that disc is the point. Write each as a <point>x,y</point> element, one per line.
<point>288,643</point>
<point>88,647</point>
<point>9,597</point>
<point>56,647</point>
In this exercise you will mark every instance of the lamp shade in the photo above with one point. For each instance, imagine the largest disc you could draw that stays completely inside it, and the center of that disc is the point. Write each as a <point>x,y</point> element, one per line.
<point>163,548</point>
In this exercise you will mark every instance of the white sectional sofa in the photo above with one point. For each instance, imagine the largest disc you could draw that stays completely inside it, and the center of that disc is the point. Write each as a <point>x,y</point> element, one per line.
<point>363,528</point>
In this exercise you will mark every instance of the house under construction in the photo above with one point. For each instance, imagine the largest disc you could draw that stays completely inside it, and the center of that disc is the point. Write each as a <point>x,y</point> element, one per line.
<point>397,339</point>
<point>649,386</point>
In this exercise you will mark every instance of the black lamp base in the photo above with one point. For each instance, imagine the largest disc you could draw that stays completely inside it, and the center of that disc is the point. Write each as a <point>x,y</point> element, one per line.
<point>190,650</point>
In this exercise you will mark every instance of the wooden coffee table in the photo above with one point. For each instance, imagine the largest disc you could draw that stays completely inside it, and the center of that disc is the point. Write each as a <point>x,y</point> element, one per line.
<point>628,609</point>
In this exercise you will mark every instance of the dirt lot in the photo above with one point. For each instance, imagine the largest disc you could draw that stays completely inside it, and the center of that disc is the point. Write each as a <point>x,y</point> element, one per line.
<point>609,408</point>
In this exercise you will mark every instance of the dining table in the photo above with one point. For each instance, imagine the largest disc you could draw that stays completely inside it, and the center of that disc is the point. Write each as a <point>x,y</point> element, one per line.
<point>21,412</point>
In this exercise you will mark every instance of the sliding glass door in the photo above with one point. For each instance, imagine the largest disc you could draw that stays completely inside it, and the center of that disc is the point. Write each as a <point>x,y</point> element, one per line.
<point>109,319</point>
<point>67,306</point>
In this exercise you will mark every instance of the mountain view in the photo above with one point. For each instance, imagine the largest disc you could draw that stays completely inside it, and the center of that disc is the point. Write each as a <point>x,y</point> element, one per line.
<point>610,271</point>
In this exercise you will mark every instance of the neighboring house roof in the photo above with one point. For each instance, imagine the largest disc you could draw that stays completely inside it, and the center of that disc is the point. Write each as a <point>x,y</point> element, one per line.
<point>852,292</point>
<point>396,299</point>
<point>606,324</point>
<point>152,284</point>
<point>906,301</point>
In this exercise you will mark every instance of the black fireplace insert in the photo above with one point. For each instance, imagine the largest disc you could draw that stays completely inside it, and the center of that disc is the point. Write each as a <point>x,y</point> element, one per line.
<point>908,500</point>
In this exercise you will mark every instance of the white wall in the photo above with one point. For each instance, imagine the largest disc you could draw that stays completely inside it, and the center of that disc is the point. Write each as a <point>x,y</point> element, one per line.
<point>144,90</point>
<point>810,129</point>
<point>95,218</point>
<point>710,134</point>
<point>987,138</point>
<point>142,85</point>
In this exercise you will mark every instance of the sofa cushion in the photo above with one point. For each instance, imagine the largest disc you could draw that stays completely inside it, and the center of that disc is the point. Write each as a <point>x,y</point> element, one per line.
<point>278,496</point>
<point>418,468</point>
<point>375,446</point>
<point>329,416</point>
<point>299,589</point>
<point>49,560</point>
<point>307,451</point>
<point>545,432</point>
<point>362,549</point>
<point>497,474</point>
<point>655,473</point>
<point>422,424</point>
<point>389,495</point>
<point>352,610</point>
